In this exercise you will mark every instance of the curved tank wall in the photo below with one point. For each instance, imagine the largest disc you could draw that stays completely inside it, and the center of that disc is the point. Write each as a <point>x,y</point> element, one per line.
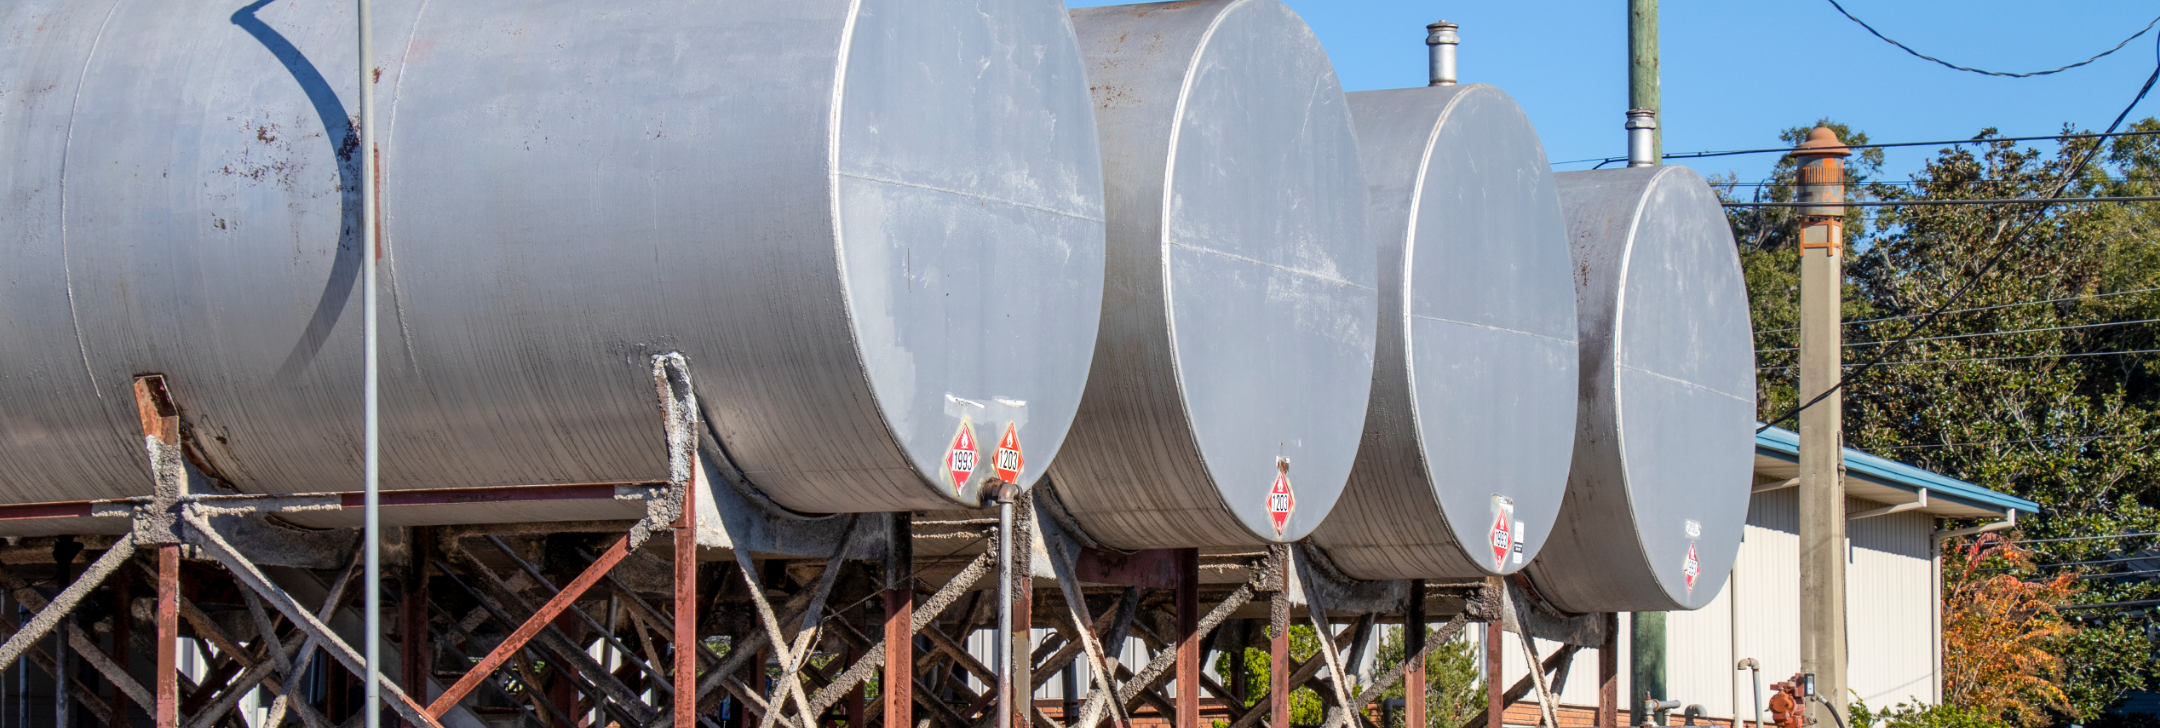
<point>1658,490</point>
<point>1235,351</point>
<point>869,224</point>
<point>1472,417</point>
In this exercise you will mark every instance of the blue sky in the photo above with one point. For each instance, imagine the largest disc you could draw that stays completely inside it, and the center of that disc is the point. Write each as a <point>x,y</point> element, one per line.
<point>1736,71</point>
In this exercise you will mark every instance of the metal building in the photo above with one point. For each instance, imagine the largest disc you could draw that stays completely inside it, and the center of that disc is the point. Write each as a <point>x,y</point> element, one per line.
<point>1895,516</point>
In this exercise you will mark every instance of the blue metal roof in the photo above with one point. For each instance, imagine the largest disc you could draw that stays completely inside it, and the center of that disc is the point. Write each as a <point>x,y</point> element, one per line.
<point>1784,444</point>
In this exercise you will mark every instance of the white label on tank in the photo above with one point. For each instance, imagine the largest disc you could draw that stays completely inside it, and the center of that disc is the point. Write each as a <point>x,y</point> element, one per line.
<point>1694,528</point>
<point>1520,536</point>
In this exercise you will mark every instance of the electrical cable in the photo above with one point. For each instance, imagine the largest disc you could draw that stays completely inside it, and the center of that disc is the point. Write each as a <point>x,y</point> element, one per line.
<point>2012,304</point>
<point>1833,709</point>
<point>1788,150</point>
<point>1983,333</point>
<point>1925,203</point>
<point>2087,538</point>
<point>2001,251</point>
<point>2057,440</point>
<point>1878,362</point>
<point>1908,49</point>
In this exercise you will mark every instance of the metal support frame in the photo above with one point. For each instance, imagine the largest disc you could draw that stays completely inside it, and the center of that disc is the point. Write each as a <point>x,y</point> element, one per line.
<point>529,630</point>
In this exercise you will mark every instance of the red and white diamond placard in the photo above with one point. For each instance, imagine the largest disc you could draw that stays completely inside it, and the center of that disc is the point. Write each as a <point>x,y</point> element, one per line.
<point>960,456</point>
<point>1502,537</point>
<point>1280,501</point>
<point>1503,540</point>
<point>1008,461</point>
<point>1690,568</point>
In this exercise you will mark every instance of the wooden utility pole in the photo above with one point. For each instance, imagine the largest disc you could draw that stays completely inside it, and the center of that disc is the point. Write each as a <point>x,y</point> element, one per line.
<point>1642,30</point>
<point>1822,439</point>
<point>1646,148</point>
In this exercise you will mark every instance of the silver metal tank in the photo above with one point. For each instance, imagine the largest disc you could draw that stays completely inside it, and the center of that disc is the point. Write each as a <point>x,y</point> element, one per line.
<point>1235,351</point>
<point>1472,417</point>
<point>1658,491</point>
<point>869,224</point>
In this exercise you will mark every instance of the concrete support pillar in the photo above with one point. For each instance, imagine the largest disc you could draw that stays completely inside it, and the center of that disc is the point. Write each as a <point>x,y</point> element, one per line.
<point>1822,487</point>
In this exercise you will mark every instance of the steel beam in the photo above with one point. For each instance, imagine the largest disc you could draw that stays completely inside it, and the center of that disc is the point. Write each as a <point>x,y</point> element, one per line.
<point>1414,644</point>
<point>1188,638</point>
<point>899,683</point>
<point>686,642</point>
<point>168,635</point>
<point>1608,671</point>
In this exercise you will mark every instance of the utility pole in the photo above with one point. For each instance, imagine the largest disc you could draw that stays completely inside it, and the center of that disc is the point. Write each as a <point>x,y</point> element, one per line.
<point>1822,438</point>
<point>1642,85</point>
<point>1646,148</point>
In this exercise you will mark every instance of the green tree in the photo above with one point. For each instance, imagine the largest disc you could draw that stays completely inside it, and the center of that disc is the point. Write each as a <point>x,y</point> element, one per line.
<point>1454,682</point>
<point>1305,706</point>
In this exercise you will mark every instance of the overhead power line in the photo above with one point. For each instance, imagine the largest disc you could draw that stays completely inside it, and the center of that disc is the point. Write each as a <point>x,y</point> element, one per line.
<point>2053,440</point>
<point>1918,203</point>
<point>1908,49</point>
<point>1980,334</point>
<point>2087,538</point>
<point>1876,363</point>
<point>1886,145</point>
<point>2013,304</point>
<point>1986,267</point>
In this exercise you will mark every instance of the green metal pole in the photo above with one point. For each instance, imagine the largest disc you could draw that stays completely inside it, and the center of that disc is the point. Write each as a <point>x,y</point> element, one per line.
<point>1646,663</point>
<point>1643,66</point>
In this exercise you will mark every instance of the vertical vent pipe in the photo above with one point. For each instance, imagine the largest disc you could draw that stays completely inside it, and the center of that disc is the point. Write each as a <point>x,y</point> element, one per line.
<point>1441,39</point>
<point>1642,138</point>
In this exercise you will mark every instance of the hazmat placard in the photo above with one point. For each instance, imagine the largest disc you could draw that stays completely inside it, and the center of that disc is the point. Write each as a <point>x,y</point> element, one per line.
<point>1008,461</point>
<point>960,457</point>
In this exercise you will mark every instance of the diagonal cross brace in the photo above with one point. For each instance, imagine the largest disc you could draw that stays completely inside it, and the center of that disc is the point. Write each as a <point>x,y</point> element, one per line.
<point>204,536</point>
<point>1155,668</point>
<point>49,617</point>
<point>496,597</point>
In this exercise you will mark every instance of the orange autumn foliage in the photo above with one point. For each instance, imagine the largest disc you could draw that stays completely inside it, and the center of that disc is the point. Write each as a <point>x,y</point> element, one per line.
<point>1996,631</point>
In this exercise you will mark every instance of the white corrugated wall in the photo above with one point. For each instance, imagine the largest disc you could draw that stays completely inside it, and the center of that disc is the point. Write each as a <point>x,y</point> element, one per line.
<point>1892,627</point>
<point>1891,608</point>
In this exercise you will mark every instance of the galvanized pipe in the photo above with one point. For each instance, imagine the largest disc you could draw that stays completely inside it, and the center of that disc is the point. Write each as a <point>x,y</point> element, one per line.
<point>1441,39</point>
<point>371,505</point>
<point>1642,138</point>
<point>1750,665</point>
<point>1003,655</point>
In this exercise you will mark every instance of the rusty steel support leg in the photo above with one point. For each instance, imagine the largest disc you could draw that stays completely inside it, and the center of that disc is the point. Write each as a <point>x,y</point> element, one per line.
<point>1414,644</point>
<point>1608,675</point>
<point>1279,648</point>
<point>1188,638</point>
<point>168,636</point>
<point>1495,695</point>
<point>898,685</point>
<point>686,637</point>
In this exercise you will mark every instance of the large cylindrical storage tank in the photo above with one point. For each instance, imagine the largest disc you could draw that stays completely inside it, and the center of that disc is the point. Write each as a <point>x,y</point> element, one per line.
<point>1658,491</point>
<point>1235,350</point>
<point>870,225</point>
<point>1472,416</point>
